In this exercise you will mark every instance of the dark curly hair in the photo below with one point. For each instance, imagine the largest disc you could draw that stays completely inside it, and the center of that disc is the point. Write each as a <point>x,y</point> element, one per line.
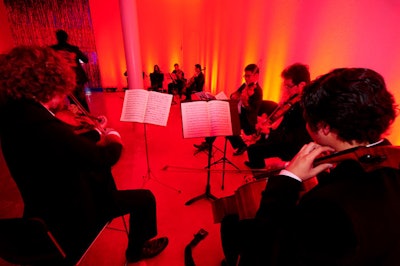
<point>354,102</point>
<point>37,73</point>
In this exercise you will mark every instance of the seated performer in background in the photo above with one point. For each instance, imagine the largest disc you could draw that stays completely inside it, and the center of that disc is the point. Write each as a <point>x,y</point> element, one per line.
<point>178,81</point>
<point>351,217</point>
<point>156,79</point>
<point>65,178</point>
<point>249,97</point>
<point>195,83</point>
<point>287,134</point>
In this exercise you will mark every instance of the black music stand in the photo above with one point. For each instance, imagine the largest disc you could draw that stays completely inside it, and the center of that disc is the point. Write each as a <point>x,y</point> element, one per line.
<point>150,175</point>
<point>207,194</point>
<point>224,160</point>
<point>235,124</point>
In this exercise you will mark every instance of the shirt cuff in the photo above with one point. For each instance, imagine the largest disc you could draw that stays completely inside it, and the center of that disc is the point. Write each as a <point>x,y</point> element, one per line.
<point>113,132</point>
<point>290,174</point>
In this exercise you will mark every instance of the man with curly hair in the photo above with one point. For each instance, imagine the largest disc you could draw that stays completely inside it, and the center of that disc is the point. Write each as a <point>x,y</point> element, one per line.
<point>65,178</point>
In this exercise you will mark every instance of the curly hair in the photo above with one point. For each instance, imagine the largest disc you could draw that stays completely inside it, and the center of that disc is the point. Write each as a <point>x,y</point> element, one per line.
<point>33,72</point>
<point>354,102</point>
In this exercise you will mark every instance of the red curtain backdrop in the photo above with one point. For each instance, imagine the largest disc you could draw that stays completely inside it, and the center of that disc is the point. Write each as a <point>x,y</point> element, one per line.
<point>36,21</point>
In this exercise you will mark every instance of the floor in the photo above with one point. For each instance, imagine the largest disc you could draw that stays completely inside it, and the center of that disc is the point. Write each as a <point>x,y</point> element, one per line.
<point>172,170</point>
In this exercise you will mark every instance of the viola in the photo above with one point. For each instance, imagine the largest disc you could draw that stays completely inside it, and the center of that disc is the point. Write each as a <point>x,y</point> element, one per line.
<point>79,119</point>
<point>370,158</point>
<point>272,119</point>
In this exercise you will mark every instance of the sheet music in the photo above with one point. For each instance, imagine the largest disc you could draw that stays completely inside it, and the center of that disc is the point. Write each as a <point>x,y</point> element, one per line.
<point>146,107</point>
<point>204,119</point>
<point>195,120</point>
<point>221,96</point>
<point>220,117</point>
<point>134,106</point>
<point>158,107</point>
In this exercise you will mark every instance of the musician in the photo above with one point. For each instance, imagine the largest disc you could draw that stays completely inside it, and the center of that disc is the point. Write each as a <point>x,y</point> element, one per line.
<point>284,138</point>
<point>351,217</point>
<point>65,178</point>
<point>196,83</point>
<point>178,81</point>
<point>249,99</point>
<point>78,57</point>
<point>156,79</point>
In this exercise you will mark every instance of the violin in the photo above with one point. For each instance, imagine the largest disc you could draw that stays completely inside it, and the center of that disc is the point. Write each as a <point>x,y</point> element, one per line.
<point>272,119</point>
<point>79,119</point>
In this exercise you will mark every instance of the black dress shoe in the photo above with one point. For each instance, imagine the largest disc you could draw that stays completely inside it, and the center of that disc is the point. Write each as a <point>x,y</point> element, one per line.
<point>240,151</point>
<point>151,248</point>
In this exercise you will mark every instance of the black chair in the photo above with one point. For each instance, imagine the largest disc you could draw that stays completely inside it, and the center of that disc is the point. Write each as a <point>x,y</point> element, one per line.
<point>267,107</point>
<point>26,241</point>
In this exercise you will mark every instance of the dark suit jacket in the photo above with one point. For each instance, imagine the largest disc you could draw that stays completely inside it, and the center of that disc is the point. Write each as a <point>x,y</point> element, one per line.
<point>349,218</point>
<point>63,178</point>
<point>248,116</point>
<point>81,77</point>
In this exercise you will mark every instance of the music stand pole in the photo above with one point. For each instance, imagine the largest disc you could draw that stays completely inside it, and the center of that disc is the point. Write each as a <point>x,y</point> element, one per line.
<point>207,194</point>
<point>149,175</point>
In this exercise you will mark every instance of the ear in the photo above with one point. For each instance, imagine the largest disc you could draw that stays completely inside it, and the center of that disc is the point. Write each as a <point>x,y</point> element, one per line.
<point>325,128</point>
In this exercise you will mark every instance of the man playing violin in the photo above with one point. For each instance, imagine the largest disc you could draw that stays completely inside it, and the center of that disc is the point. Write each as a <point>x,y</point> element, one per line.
<point>248,98</point>
<point>288,133</point>
<point>352,216</point>
<point>195,83</point>
<point>65,178</point>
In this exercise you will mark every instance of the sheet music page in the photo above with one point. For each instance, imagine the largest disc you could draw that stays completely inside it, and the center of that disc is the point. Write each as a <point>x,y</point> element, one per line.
<point>221,96</point>
<point>134,106</point>
<point>158,107</point>
<point>195,120</point>
<point>220,118</point>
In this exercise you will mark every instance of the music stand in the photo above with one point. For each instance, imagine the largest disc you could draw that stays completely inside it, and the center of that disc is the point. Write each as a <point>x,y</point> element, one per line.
<point>147,107</point>
<point>149,174</point>
<point>207,194</point>
<point>224,160</point>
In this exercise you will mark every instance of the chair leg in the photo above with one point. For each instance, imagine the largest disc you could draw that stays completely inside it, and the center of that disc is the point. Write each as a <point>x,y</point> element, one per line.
<point>125,226</point>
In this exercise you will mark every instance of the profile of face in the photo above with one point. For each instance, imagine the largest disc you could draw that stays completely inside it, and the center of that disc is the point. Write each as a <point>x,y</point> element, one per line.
<point>176,67</point>
<point>156,68</point>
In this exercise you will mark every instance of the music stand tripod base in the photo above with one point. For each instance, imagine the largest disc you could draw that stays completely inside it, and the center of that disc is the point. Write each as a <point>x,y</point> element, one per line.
<point>207,194</point>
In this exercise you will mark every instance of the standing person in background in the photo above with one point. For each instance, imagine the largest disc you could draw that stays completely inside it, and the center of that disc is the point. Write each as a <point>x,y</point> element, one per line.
<point>196,83</point>
<point>79,57</point>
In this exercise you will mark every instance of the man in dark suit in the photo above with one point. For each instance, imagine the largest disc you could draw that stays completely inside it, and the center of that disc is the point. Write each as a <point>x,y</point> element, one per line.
<point>284,137</point>
<point>65,178</point>
<point>248,98</point>
<point>351,216</point>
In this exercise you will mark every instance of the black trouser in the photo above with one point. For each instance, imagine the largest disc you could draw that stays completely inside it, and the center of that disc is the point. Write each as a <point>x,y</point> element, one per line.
<point>141,206</point>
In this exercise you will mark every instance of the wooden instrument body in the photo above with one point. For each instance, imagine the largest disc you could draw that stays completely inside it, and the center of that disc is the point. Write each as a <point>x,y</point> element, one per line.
<point>244,202</point>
